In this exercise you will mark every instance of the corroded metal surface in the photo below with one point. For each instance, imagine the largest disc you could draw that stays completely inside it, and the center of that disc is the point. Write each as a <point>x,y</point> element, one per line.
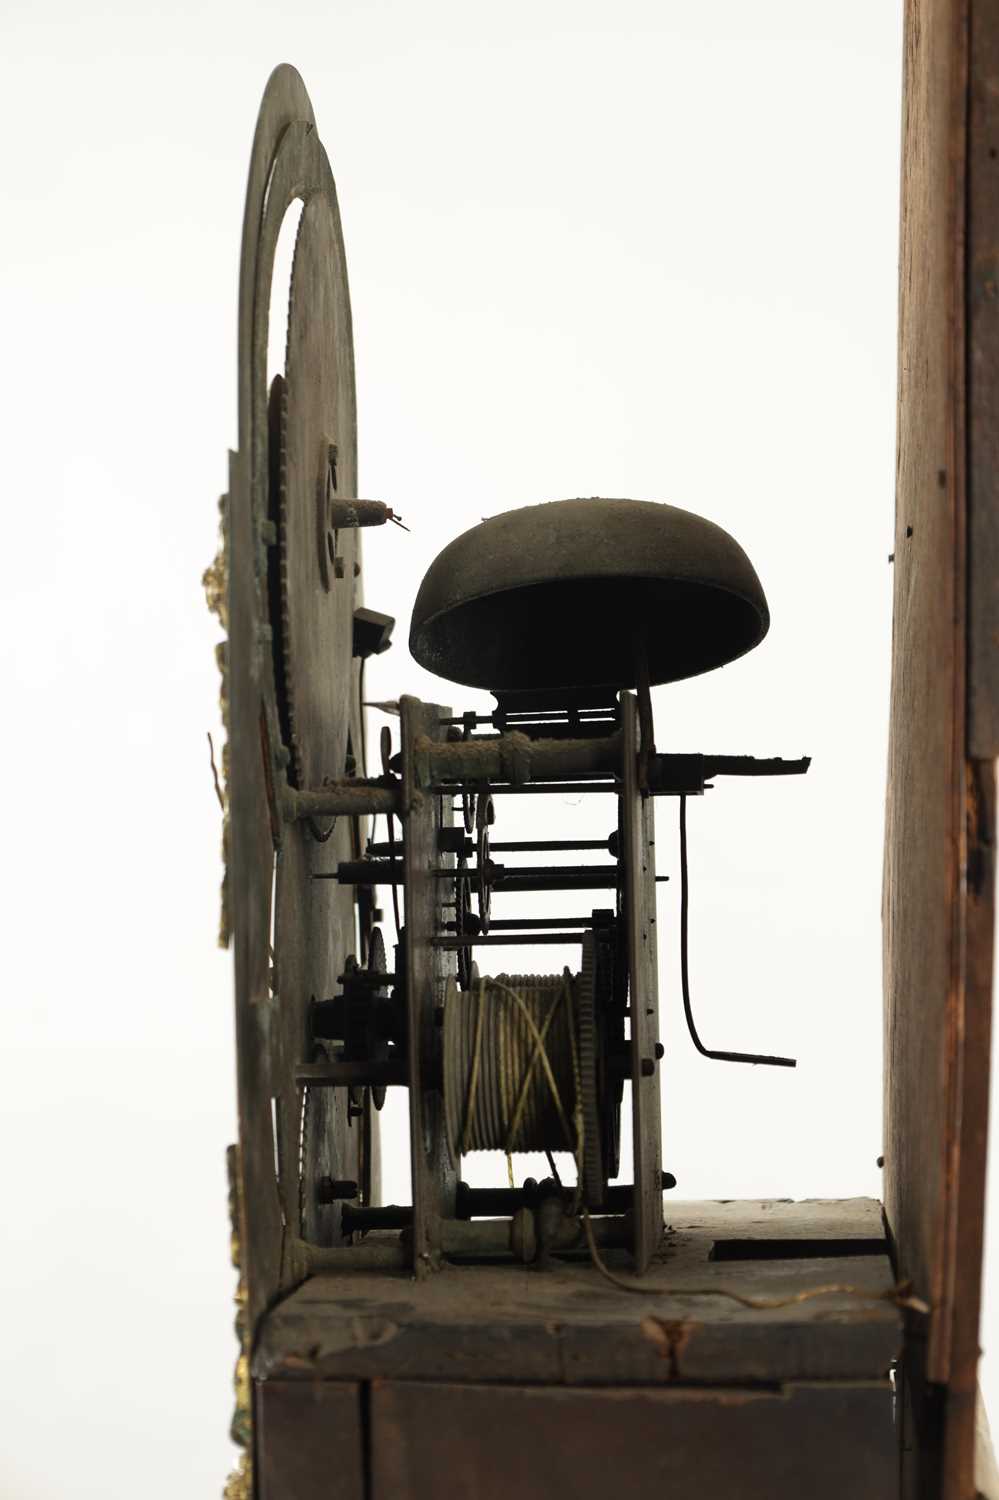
<point>557,595</point>
<point>428,968</point>
<point>284,617</point>
<point>638,839</point>
<point>318,462</point>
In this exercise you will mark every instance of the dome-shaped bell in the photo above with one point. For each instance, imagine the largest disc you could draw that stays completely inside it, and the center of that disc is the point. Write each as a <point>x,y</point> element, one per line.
<point>568,594</point>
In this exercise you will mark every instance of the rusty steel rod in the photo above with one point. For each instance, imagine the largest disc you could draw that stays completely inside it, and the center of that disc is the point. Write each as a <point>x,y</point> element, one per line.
<point>515,758</point>
<point>355,798</point>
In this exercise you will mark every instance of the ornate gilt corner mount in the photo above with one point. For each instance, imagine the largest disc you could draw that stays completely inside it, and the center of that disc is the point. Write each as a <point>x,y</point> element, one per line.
<point>239,1485</point>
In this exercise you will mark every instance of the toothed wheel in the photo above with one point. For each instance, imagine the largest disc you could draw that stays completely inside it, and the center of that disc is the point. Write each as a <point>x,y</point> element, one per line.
<point>589,1069</point>
<point>293,684</point>
<point>376,965</point>
<point>465,924</point>
<point>315,464</point>
<point>485,816</point>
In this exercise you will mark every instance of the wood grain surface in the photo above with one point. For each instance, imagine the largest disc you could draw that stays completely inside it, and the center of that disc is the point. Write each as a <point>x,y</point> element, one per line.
<point>982,314</point>
<point>569,1326</point>
<point>939,847</point>
<point>493,1442</point>
<point>310,1441</point>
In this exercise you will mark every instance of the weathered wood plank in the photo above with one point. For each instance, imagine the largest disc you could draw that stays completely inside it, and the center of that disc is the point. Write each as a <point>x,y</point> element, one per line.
<point>491,1442</point>
<point>309,1440</point>
<point>964,1284</point>
<point>939,881</point>
<point>569,1326</point>
<point>923,827</point>
<point>922,851</point>
<point>982,297</point>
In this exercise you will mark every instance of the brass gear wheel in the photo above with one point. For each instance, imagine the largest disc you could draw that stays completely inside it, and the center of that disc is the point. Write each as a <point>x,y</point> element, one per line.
<point>589,1086</point>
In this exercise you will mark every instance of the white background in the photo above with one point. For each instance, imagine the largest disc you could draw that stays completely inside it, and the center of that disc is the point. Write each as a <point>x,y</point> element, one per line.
<point>644,250</point>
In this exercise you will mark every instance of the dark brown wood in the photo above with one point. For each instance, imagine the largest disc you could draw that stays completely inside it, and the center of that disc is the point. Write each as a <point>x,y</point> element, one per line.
<point>982,303</point>
<point>982,299</point>
<point>939,882</point>
<point>309,1441</point>
<point>569,1326</point>
<point>434,1174</point>
<point>964,1290</point>
<point>923,826</point>
<point>638,846</point>
<point>920,1424</point>
<point>494,1442</point>
<point>924,788</point>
